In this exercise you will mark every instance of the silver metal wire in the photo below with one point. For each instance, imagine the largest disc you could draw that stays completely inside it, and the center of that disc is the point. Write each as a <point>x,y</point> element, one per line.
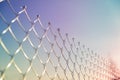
<point>42,54</point>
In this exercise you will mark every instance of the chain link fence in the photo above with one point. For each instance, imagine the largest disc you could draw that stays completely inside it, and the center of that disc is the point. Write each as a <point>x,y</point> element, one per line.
<point>31,51</point>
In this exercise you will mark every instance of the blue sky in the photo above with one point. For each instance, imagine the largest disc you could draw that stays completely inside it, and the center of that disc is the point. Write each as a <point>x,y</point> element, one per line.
<point>93,22</point>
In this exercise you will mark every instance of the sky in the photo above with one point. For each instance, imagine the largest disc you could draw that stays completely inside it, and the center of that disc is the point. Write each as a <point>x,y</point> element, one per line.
<point>95,23</point>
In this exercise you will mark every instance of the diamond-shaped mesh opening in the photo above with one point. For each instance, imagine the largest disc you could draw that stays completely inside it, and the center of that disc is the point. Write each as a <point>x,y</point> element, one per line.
<point>45,77</point>
<point>28,49</point>
<point>4,58</point>
<point>62,62</point>
<point>50,70</point>
<point>76,76</point>
<point>61,72</point>
<point>57,51</point>
<point>67,45</point>
<point>21,61</point>
<point>68,74</point>
<point>82,68</point>
<point>78,60</point>
<point>3,25</point>
<point>77,68</point>
<point>34,39</point>
<point>18,31</point>
<point>53,59</point>
<point>44,56</point>
<point>82,54</point>
<point>65,54</point>
<point>39,30</point>
<point>12,71</point>
<point>72,56</point>
<point>10,42</point>
<point>7,12</point>
<point>82,76</point>
<point>46,44</point>
<point>15,3</point>
<point>31,75</point>
<point>50,35</point>
<point>59,42</point>
<point>71,65</point>
<point>38,66</point>
<point>57,78</point>
<point>24,22</point>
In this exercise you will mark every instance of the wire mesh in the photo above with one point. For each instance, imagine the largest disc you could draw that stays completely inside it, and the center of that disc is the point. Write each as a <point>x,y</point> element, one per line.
<point>31,51</point>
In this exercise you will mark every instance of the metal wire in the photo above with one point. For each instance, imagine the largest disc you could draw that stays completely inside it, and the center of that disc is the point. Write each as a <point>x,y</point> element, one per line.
<point>42,54</point>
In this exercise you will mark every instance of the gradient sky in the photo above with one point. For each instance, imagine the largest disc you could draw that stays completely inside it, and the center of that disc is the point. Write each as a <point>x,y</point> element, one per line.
<point>93,22</point>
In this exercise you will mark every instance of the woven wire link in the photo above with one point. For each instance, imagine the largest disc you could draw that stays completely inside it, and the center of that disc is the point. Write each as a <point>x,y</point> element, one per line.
<point>42,54</point>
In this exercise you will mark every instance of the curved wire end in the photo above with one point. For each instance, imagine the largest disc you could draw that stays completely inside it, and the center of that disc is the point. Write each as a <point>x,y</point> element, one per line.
<point>49,23</point>
<point>38,16</point>
<point>78,43</point>
<point>73,38</point>
<point>24,7</point>
<point>58,29</point>
<point>66,34</point>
